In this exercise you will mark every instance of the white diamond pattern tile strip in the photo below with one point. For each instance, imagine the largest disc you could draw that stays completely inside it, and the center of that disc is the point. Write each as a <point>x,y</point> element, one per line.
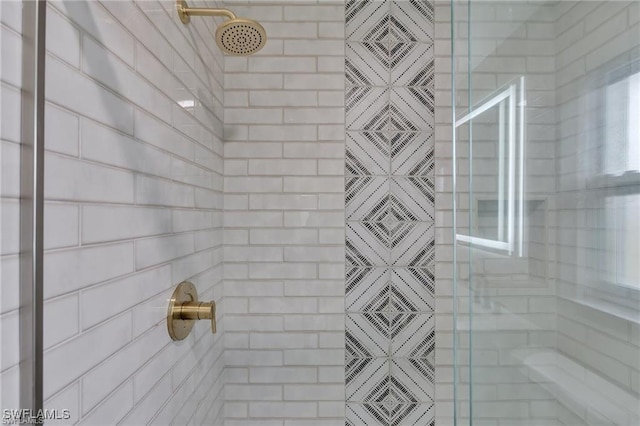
<point>367,108</point>
<point>368,334</point>
<point>367,379</point>
<point>413,284</point>
<point>412,380</point>
<point>412,64</point>
<point>367,20</point>
<point>389,202</point>
<point>396,414</point>
<point>413,198</point>
<point>379,199</point>
<point>367,64</point>
<point>412,20</point>
<point>367,244</point>
<point>412,154</point>
<point>411,109</point>
<point>412,335</point>
<point>367,286</point>
<point>368,154</point>
<point>412,244</point>
<point>365,414</point>
<point>367,198</point>
<point>420,414</point>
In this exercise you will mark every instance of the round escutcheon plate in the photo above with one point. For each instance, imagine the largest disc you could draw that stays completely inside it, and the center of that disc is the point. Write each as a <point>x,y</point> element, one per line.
<point>180,328</point>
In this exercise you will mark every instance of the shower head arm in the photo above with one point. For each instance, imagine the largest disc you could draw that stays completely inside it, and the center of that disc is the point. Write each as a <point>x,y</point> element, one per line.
<point>185,12</point>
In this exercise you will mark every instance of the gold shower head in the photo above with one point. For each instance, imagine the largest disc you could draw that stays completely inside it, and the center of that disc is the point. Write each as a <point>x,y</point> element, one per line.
<point>237,36</point>
<point>241,36</point>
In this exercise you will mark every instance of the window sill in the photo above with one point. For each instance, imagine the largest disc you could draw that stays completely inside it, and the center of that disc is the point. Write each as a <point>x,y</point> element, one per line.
<point>607,308</point>
<point>629,178</point>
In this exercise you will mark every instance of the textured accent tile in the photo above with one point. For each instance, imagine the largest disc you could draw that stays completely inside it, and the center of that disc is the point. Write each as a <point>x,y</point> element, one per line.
<point>367,244</point>
<point>367,379</point>
<point>380,303</point>
<point>411,109</point>
<point>401,303</point>
<point>412,380</point>
<point>399,211</point>
<point>412,198</point>
<point>399,392</point>
<point>355,349</point>
<point>367,198</point>
<point>382,395</point>
<point>413,415</point>
<point>367,108</point>
<point>412,20</point>
<point>412,64</point>
<point>367,20</point>
<point>412,244</point>
<point>367,153</point>
<point>390,414</point>
<point>367,335</point>
<point>389,199</point>
<point>367,64</point>
<point>366,288</point>
<point>398,120</point>
<point>366,414</point>
<point>416,285</point>
<point>412,154</point>
<point>412,335</point>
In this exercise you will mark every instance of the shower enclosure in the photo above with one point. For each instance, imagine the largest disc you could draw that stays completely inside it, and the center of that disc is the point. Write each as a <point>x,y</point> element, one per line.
<point>546,235</point>
<point>388,240</point>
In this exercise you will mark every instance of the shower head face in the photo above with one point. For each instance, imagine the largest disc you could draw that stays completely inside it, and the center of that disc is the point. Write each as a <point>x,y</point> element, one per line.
<point>241,37</point>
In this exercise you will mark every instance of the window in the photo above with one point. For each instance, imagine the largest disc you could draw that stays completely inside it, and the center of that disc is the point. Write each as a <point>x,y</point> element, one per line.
<point>619,179</point>
<point>622,131</point>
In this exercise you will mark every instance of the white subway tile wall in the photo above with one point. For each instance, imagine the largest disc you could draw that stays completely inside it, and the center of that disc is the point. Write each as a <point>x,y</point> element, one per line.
<point>10,138</point>
<point>134,179</point>
<point>284,219</point>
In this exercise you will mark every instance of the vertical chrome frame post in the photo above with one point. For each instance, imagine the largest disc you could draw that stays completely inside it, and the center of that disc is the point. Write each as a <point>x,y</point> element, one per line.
<point>32,205</point>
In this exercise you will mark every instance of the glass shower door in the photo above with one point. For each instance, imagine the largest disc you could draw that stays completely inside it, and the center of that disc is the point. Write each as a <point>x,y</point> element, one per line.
<point>546,234</point>
<point>497,278</point>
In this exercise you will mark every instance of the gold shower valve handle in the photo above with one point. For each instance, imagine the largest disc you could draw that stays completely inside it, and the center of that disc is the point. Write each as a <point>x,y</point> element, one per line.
<point>185,309</point>
<point>198,311</point>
